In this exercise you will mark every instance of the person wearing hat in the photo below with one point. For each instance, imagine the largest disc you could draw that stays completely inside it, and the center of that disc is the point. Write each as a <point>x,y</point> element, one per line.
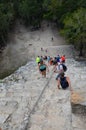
<point>64,82</point>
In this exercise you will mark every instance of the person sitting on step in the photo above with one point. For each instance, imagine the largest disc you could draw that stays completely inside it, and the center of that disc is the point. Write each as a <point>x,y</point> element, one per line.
<point>64,82</point>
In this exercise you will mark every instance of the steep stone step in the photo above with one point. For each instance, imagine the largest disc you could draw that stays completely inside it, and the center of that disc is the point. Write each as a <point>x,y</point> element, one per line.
<point>77,74</point>
<point>22,89</point>
<point>67,50</point>
<point>53,111</point>
<point>40,120</point>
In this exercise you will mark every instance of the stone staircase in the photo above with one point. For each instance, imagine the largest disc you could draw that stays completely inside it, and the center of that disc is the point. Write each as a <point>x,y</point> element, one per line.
<point>53,111</point>
<point>30,102</point>
<point>18,95</point>
<point>67,50</point>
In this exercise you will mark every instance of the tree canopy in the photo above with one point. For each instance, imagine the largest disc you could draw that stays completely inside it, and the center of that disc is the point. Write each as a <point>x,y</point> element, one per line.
<point>69,16</point>
<point>75,28</point>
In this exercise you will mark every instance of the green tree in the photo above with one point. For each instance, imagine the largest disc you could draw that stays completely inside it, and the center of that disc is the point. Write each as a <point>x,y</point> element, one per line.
<point>51,9</point>
<point>58,9</point>
<point>75,29</point>
<point>6,18</point>
<point>31,11</point>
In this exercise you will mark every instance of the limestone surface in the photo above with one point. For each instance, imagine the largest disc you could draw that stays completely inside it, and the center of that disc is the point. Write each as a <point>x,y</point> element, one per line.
<point>29,101</point>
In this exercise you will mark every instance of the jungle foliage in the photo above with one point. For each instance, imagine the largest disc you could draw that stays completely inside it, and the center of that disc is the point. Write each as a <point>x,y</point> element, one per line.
<point>69,16</point>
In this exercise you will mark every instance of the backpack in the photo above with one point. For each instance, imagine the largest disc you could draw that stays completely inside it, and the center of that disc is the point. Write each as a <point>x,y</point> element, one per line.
<point>64,67</point>
<point>64,83</point>
<point>42,67</point>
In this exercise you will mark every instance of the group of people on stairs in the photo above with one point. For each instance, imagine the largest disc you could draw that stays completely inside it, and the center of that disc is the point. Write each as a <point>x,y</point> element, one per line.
<point>59,67</point>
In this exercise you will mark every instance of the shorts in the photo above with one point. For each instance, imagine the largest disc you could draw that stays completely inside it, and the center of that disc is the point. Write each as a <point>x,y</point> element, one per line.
<point>42,69</point>
<point>58,76</point>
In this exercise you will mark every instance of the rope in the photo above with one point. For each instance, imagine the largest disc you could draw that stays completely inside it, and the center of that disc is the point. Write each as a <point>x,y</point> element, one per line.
<point>26,124</point>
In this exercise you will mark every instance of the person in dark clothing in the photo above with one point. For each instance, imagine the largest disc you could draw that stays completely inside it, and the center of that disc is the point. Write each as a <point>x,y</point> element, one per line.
<point>52,39</point>
<point>58,58</point>
<point>64,82</point>
<point>41,49</point>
